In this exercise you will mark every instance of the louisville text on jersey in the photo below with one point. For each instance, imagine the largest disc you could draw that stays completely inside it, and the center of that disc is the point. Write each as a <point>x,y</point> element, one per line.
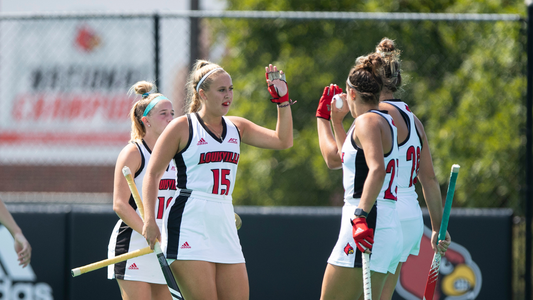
<point>219,156</point>
<point>167,184</point>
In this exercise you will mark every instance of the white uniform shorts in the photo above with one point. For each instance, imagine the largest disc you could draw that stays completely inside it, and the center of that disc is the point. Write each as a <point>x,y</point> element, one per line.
<point>388,239</point>
<point>201,226</point>
<point>144,268</point>
<point>412,222</point>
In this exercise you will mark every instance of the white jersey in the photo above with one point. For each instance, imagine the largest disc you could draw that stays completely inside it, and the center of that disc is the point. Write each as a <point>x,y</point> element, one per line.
<point>407,205</point>
<point>355,169</point>
<point>409,161</point>
<point>210,165</point>
<point>124,239</point>
<point>200,222</point>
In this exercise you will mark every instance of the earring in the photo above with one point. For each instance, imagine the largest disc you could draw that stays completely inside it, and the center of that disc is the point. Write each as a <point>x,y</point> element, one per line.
<point>148,125</point>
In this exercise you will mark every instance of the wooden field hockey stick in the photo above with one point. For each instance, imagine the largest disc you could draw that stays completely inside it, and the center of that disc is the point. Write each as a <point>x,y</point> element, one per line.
<point>367,286</point>
<point>435,265</point>
<point>167,272</point>
<point>106,262</point>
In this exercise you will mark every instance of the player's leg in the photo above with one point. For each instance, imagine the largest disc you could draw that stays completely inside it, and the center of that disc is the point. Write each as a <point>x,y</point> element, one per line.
<point>196,279</point>
<point>134,290</point>
<point>378,282</point>
<point>232,282</point>
<point>390,284</point>
<point>160,292</point>
<point>342,283</point>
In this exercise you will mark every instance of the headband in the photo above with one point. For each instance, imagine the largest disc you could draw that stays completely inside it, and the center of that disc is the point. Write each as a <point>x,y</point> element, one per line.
<point>350,84</point>
<point>204,78</point>
<point>152,104</point>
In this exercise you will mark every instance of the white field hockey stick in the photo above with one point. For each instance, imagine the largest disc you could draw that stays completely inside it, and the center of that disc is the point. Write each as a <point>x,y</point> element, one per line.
<point>167,272</point>
<point>435,265</point>
<point>366,276</point>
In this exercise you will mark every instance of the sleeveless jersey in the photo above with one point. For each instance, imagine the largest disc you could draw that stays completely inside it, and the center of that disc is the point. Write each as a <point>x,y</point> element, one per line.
<point>167,185</point>
<point>409,150</point>
<point>124,239</point>
<point>409,161</point>
<point>355,169</point>
<point>208,164</point>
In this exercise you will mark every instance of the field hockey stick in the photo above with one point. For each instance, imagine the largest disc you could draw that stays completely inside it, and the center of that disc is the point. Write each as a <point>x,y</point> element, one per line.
<point>366,277</point>
<point>106,262</point>
<point>435,265</point>
<point>167,272</point>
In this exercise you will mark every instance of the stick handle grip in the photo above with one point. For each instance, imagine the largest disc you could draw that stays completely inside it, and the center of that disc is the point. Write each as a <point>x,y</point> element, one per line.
<point>106,262</point>
<point>134,191</point>
<point>367,285</point>
<point>449,199</point>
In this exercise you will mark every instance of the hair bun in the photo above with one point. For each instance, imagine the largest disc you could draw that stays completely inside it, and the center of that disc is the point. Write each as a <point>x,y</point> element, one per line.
<point>142,87</point>
<point>386,45</point>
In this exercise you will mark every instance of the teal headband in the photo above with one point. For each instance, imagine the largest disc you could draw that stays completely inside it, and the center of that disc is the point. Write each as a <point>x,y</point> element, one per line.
<point>152,104</point>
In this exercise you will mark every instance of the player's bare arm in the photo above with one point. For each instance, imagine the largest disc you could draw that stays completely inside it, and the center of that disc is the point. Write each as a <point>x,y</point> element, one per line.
<point>368,136</point>
<point>131,158</point>
<point>173,139</point>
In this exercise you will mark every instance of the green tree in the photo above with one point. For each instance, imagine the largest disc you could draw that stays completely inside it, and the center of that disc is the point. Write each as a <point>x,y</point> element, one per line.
<point>464,80</point>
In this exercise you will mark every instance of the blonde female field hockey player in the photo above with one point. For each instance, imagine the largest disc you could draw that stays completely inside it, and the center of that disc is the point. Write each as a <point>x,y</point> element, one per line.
<point>415,164</point>
<point>141,277</point>
<point>199,237</point>
<point>368,155</point>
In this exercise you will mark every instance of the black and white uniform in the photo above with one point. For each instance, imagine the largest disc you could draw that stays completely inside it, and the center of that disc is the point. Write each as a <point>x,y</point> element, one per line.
<point>407,206</point>
<point>383,217</point>
<point>200,222</point>
<point>144,268</point>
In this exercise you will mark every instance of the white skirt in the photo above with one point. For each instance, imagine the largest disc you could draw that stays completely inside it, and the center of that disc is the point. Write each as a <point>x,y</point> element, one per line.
<point>388,240</point>
<point>144,268</point>
<point>412,224</point>
<point>201,226</point>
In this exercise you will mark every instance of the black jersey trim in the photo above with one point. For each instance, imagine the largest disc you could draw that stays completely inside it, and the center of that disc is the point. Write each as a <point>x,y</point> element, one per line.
<point>390,126</point>
<point>181,177</point>
<point>189,140</point>
<point>238,131</point>
<point>122,244</point>
<point>419,135</point>
<point>147,148</point>
<point>212,134</point>
<point>361,173</point>
<point>143,161</point>
<point>408,123</point>
<point>174,224</point>
<point>405,116</point>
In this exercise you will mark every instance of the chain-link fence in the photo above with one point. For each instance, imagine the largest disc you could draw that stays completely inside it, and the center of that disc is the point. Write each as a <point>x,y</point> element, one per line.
<point>64,80</point>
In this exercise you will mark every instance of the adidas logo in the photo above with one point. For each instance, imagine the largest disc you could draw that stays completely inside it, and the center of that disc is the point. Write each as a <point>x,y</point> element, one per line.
<point>201,142</point>
<point>18,282</point>
<point>133,267</point>
<point>185,246</point>
<point>173,168</point>
<point>233,141</point>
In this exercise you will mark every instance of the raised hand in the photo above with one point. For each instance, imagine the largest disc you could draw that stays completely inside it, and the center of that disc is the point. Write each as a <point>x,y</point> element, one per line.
<point>324,104</point>
<point>277,84</point>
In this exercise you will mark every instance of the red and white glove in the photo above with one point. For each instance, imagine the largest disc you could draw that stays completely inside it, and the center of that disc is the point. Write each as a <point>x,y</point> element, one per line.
<point>324,105</point>
<point>273,90</point>
<point>362,235</point>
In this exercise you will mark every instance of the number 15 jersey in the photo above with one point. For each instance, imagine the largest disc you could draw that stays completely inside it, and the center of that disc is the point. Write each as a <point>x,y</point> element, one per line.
<point>208,164</point>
